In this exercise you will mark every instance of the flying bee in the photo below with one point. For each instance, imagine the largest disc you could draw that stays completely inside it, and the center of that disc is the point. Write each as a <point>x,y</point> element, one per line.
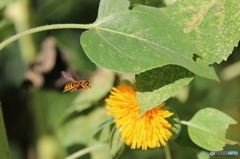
<point>75,85</point>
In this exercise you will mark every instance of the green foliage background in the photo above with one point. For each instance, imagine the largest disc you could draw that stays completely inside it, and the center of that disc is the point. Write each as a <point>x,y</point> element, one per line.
<point>166,47</point>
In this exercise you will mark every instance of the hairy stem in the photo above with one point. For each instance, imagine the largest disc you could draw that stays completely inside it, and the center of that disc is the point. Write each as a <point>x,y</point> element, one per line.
<point>43,28</point>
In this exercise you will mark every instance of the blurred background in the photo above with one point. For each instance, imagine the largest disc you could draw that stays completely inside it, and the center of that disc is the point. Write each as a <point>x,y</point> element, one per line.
<point>42,122</point>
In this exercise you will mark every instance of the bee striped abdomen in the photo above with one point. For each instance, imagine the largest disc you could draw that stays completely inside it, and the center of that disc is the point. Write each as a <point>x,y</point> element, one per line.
<point>70,86</point>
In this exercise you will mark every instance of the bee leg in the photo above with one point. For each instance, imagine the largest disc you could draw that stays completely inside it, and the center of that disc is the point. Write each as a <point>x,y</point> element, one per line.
<point>85,90</point>
<point>74,89</point>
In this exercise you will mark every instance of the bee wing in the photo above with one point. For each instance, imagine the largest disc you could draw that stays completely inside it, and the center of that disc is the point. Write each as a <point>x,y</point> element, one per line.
<point>75,75</point>
<point>67,76</point>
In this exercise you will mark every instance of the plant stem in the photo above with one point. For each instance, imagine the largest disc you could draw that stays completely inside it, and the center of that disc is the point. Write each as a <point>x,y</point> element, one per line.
<point>84,151</point>
<point>43,28</point>
<point>167,151</point>
<point>4,150</point>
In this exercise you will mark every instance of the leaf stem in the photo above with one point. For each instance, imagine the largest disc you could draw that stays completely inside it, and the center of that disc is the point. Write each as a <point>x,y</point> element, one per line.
<point>84,151</point>
<point>184,122</point>
<point>167,151</point>
<point>43,28</point>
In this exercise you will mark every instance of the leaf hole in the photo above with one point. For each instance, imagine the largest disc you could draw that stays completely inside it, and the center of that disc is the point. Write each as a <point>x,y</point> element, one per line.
<point>196,57</point>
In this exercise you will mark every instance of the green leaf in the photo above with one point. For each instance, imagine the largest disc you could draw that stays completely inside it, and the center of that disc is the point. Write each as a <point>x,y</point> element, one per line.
<point>128,82</point>
<point>108,8</point>
<point>79,132</point>
<point>4,151</point>
<point>208,127</point>
<point>170,79</point>
<point>203,155</point>
<point>101,127</point>
<point>175,122</point>
<point>116,145</point>
<point>214,26</point>
<point>133,41</point>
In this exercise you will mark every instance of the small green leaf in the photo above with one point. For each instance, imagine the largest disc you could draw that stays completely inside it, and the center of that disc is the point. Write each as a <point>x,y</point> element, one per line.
<point>4,151</point>
<point>127,82</point>
<point>105,124</point>
<point>203,155</point>
<point>170,79</point>
<point>116,145</point>
<point>214,26</point>
<point>208,127</point>
<point>133,41</point>
<point>175,122</point>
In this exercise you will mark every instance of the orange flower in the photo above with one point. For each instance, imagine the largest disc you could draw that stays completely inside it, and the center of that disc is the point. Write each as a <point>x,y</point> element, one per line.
<point>150,130</point>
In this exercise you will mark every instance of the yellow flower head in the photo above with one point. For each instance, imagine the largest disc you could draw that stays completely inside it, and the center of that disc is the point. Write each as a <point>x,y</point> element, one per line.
<point>149,130</point>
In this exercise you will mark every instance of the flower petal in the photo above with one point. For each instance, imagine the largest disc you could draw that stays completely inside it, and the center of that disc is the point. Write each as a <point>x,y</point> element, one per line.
<point>151,130</point>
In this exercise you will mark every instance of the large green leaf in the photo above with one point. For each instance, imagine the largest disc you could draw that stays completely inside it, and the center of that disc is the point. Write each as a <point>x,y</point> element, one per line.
<point>79,132</point>
<point>152,92</point>
<point>4,151</point>
<point>208,127</point>
<point>214,26</point>
<point>133,41</point>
